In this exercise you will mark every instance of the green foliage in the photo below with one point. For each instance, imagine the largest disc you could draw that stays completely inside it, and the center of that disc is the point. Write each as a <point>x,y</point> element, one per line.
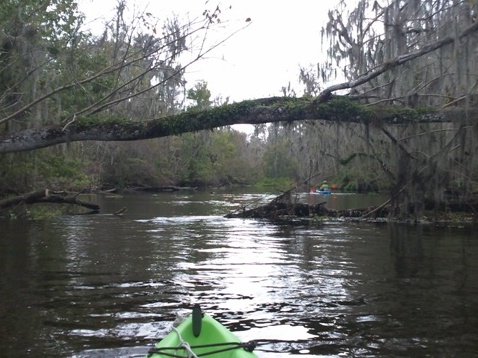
<point>200,95</point>
<point>356,180</point>
<point>212,158</point>
<point>197,167</point>
<point>275,184</point>
<point>36,38</point>
<point>43,169</point>
<point>61,172</point>
<point>45,212</point>
<point>278,161</point>
<point>124,75</point>
<point>37,212</point>
<point>201,159</point>
<point>16,172</point>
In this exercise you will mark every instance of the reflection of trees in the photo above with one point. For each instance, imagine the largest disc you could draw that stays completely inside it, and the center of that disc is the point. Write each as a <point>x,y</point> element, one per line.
<point>432,254</point>
<point>406,250</point>
<point>29,280</point>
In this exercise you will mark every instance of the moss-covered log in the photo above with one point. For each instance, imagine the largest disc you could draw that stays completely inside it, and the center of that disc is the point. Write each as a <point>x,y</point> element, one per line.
<point>268,110</point>
<point>102,127</point>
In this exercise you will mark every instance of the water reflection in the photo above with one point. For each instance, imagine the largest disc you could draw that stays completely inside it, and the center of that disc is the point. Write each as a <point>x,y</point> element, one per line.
<point>101,285</point>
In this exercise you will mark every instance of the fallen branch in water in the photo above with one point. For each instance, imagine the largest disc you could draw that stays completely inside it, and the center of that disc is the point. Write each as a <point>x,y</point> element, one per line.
<point>279,209</point>
<point>121,212</point>
<point>47,196</point>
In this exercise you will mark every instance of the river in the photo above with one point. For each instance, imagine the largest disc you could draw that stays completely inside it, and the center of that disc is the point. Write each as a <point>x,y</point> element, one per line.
<point>109,286</point>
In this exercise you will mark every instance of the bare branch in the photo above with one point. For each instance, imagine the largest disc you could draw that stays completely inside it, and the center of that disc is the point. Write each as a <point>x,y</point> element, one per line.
<point>130,60</point>
<point>398,62</point>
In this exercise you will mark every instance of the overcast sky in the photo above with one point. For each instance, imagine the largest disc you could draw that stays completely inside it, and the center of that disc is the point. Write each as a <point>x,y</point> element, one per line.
<point>258,60</point>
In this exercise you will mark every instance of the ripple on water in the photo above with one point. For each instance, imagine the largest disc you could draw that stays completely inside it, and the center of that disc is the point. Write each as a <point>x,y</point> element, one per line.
<point>99,285</point>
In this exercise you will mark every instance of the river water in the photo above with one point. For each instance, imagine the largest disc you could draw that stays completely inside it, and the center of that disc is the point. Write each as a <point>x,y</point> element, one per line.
<point>109,286</point>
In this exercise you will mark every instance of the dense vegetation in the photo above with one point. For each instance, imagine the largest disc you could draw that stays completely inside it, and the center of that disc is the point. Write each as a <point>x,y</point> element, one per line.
<point>53,72</point>
<point>399,60</point>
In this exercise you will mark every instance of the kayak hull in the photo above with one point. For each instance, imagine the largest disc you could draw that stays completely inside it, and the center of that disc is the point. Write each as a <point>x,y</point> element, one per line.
<point>323,191</point>
<point>214,340</point>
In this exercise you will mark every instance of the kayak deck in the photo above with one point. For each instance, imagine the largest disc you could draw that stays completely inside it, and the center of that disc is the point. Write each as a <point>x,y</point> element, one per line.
<point>201,335</point>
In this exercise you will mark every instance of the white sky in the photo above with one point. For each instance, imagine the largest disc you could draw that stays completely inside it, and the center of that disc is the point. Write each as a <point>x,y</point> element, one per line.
<point>258,61</point>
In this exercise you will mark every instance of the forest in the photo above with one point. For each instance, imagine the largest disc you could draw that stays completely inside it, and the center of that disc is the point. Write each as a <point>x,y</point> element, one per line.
<point>81,112</point>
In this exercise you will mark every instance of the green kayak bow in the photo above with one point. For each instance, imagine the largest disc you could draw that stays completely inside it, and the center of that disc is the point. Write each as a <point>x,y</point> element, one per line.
<point>200,335</point>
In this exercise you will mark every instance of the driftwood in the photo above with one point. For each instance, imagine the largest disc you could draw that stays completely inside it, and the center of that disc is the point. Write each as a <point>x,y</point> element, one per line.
<point>278,209</point>
<point>282,207</point>
<point>121,211</point>
<point>47,196</point>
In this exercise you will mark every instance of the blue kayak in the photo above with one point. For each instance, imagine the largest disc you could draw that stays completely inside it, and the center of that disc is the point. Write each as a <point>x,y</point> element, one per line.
<point>323,191</point>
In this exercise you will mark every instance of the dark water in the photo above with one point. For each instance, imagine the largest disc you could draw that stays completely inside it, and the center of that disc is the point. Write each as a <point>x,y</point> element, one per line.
<point>105,286</point>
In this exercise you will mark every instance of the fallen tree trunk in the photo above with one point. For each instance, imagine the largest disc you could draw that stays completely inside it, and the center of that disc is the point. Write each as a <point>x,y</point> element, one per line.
<point>266,110</point>
<point>101,126</point>
<point>47,196</point>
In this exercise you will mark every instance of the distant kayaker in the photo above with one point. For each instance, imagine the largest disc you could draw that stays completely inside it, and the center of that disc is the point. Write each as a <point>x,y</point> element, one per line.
<point>324,185</point>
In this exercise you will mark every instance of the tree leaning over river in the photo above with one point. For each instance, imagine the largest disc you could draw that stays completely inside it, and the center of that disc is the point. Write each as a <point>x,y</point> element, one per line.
<point>409,66</point>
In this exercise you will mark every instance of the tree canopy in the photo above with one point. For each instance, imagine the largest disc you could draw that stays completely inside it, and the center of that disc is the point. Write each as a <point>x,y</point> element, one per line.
<point>102,96</point>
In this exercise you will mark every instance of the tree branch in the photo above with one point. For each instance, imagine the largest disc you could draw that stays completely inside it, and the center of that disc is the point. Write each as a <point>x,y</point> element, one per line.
<point>128,60</point>
<point>46,196</point>
<point>270,110</point>
<point>398,62</point>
